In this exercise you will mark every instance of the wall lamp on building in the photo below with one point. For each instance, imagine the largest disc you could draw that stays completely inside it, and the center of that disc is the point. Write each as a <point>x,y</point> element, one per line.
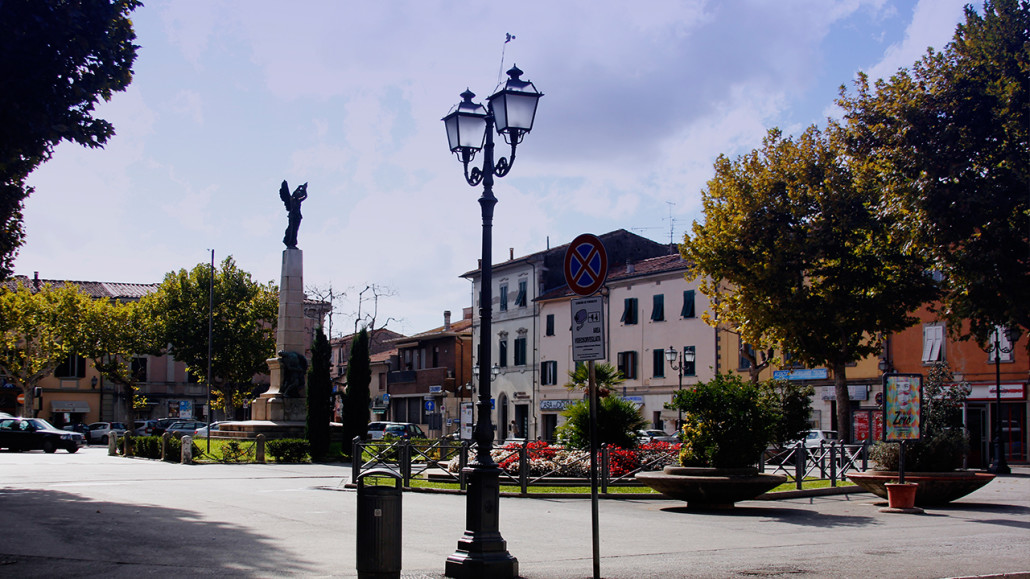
<point>510,111</point>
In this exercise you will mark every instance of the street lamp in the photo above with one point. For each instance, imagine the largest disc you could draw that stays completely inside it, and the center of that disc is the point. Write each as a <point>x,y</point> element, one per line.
<point>482,552</point>
<point>999,465</point>
<point>672,355</point>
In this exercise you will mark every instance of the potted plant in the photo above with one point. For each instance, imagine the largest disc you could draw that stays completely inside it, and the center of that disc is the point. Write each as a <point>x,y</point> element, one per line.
<point>727,425</point>
<point>934,462</point>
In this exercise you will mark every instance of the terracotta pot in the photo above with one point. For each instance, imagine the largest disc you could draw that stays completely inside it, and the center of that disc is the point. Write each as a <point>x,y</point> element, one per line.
<point>711,487</point>
<point>901,495</point>
<point>935,488</point>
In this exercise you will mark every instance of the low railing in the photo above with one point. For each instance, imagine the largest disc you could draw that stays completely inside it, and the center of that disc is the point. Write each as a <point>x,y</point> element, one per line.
<point>825,462</point>
<point>536,463</point>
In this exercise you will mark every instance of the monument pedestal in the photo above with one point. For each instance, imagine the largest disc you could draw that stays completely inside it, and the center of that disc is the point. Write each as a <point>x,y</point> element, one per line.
<point>290,336</point>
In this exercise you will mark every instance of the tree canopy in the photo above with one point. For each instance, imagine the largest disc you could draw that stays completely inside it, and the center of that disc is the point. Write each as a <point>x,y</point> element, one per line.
<point>948,143</point>
<point>38,330</point>
<point>793,252</point>
<point>244,322</point>
<point>59,58</point>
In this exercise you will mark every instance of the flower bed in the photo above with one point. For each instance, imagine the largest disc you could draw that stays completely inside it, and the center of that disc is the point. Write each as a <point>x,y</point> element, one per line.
<point>558,461</point>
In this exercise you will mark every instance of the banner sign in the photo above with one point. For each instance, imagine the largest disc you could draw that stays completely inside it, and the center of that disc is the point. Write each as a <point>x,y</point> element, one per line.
<point>902,406</point>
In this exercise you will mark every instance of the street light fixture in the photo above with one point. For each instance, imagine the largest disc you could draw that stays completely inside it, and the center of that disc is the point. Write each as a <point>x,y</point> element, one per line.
<point>688,357</point>
<point>482,552</point>
<point>999,465</point>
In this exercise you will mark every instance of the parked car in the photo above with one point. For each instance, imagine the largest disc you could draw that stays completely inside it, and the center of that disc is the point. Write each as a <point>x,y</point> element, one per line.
<point>183,427</point>
<point>5,415</point>
<point>144,427</point>
<point>203,430</point>
<point>36,433</point>
<point>78,427</point>
<point>816,438</point>
<point>655,435</point>
<point>377,430</point>
<point>102,431</point>
<point>162,424</point>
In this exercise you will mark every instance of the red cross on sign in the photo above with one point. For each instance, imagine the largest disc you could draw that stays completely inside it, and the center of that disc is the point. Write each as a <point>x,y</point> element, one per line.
<point>586,265</point>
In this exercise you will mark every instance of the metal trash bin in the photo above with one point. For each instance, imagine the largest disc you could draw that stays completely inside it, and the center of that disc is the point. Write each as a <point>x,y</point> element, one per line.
<point>379,525</point>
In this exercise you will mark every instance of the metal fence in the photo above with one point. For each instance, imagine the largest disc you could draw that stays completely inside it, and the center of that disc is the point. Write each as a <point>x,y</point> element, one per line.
<point>528,464</point>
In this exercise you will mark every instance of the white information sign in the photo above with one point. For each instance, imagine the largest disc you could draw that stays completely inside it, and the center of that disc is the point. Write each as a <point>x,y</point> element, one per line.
<point>588,329</point>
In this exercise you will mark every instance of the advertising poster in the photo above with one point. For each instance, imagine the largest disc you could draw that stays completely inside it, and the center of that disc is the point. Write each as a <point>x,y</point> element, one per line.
<point>466,421</point>
<point>902,405</point>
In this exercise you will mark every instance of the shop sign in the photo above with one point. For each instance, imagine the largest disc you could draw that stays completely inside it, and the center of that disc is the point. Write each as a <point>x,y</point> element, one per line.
<point>520,395</point>
<point>801,374</point>
<point>555,404</point>
<point>989,392</point>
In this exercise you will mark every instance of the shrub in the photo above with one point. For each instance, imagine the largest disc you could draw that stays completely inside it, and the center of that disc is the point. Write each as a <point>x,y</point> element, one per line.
<point>617,422</point>
<point>727,422</point>
<point>288,450</point>
<point>148,446</point>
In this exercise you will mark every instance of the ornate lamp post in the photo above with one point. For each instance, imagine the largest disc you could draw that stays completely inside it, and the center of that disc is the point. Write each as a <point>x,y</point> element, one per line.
<point>482,552</point>
<point>999,465</point>
<point>673,355</point>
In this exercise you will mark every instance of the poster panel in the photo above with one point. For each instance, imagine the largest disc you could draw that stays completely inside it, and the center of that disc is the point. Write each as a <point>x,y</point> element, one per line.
<point>902,406</point>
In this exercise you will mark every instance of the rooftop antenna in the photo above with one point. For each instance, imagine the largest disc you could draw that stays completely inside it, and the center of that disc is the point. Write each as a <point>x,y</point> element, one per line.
<point>672,223</point>
<point>508,37</point>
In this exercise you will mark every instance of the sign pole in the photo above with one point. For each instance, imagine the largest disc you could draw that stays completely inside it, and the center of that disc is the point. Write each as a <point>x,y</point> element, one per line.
<point>586,269</point>
<point>594,522</point>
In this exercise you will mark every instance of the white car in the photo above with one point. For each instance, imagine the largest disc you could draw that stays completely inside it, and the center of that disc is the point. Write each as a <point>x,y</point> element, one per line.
<point>655,435</point>
<point>817,438</point>
<point>101,431</point>
<point>202,431</point>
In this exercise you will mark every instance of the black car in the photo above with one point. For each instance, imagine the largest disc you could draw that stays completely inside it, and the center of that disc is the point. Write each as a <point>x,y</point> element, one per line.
<point>36,433</point>
<point>161,425</point>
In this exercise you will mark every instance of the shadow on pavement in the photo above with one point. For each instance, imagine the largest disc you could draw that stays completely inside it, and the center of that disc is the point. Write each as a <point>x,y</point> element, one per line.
<point>802,517</point>
<point>54,533</point>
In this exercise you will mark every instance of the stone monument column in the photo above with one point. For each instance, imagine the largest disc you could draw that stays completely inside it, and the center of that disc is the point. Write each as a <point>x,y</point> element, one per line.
<point>285,400</point>
<point>289,337</point>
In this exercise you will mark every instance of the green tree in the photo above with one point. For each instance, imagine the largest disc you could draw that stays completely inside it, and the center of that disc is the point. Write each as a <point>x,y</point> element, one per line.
<point>949,145</point>
<point>357,398</point>
<point>792,404</point>
<point>606,376</point>
<point>794,252</point>
<point>318,392</point>
<point>58,59</point>
<point>244,321</point>
<point>38,330</point>
<point>111,334</point>
<point>618,421</point>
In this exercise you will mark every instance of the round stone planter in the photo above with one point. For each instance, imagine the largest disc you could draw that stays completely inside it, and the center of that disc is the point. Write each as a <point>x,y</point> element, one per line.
<point>934,488</point>
<point>708,488</point>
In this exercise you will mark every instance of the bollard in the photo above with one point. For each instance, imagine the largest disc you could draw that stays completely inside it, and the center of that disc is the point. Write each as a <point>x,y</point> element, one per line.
<point>378,550</point>
<point>127,448</point>
<point>187,450</point>
<point>164,445</point>
<point>112,445</point>
<point>259,449</point>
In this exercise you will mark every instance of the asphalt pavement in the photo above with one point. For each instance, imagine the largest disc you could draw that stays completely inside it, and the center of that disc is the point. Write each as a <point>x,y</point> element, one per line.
<point>92,515</point>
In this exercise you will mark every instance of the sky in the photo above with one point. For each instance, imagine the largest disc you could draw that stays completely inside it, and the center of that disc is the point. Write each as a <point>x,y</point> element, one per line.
<point>230,98</point>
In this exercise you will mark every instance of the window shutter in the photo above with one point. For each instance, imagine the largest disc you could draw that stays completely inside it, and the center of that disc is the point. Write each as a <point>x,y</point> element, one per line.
<point>688,304</point>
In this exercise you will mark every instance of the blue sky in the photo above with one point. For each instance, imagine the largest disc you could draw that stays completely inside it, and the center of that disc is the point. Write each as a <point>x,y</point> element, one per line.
<point>231,97</point>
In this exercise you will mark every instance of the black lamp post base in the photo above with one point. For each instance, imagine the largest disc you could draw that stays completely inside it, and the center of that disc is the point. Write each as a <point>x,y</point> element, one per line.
<point>482,552</point>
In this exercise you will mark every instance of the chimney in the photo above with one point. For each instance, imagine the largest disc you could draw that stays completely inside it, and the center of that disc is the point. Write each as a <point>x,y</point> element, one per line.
<point>35,279</point>
<point>466,313</point>
<point>629,267</point>
<point>447,320</point>
<point>511,253</point>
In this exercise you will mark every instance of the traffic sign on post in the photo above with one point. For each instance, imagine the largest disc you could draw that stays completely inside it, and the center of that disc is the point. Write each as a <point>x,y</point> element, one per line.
<point>586,265</point>
<point>588,329</point>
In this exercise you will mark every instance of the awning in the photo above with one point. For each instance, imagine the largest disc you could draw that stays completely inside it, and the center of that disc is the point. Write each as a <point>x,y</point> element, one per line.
<point>76,406</point>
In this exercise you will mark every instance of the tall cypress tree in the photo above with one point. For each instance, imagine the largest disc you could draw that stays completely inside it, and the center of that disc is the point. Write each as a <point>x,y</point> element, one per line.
<point>319,390</point>
<point>359,376</point>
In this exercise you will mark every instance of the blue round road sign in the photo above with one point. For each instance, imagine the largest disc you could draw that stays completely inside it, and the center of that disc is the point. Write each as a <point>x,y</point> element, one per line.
<point>586,265</point>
